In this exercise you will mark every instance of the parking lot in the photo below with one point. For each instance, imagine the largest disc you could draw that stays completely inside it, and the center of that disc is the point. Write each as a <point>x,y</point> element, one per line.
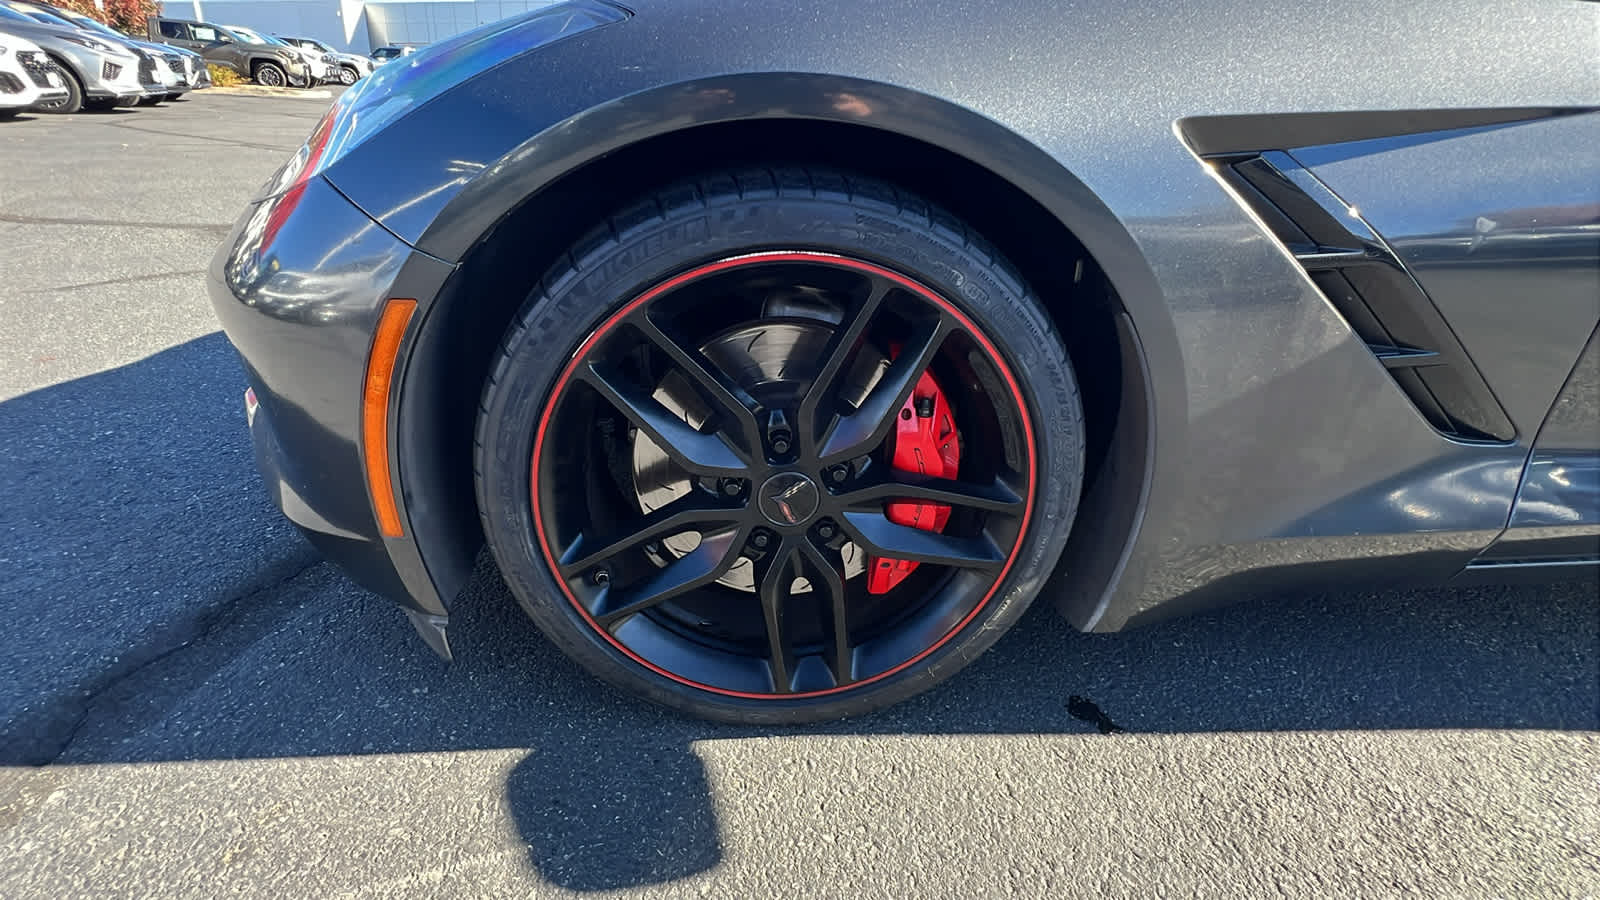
<point>191,703</point>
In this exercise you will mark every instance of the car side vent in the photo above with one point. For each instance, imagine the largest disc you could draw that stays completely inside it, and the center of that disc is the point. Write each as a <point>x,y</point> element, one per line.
<point>1369,286</point>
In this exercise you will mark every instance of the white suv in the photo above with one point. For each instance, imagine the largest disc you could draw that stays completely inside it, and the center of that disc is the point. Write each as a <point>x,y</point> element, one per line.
<point>27,76</point>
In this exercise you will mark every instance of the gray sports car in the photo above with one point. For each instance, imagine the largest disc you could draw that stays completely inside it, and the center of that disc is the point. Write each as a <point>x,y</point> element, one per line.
<point>783,354</point>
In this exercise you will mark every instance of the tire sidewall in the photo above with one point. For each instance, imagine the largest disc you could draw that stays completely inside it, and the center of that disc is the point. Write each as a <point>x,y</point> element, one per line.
<point>567,309</point>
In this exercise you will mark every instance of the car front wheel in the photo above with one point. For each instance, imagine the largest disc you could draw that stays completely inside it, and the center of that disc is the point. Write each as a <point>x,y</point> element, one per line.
<point>270,75</point>
<point>778,447</point>
<point>348,75</point>
<point>72,102</point>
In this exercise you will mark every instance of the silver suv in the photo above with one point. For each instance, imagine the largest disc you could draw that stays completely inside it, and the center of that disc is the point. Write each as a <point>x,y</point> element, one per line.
<point>101,73</point>
<point>161,70</point>
<point>179,70</point>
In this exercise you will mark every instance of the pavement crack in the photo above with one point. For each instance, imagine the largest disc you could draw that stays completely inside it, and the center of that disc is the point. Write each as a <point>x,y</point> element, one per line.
<point>201,137</point>
<point>201,627</point>
<point>112,223</point>
<point>131,279</point>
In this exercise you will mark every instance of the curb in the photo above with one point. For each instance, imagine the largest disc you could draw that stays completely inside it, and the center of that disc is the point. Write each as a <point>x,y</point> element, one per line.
<point>255,90</point>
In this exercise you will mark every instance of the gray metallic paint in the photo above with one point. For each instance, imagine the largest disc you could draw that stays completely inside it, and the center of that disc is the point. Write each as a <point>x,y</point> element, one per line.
<point>1276,450</point>
<point>1557,513</point>
<point>1489,220</point>
<point>301,311</point>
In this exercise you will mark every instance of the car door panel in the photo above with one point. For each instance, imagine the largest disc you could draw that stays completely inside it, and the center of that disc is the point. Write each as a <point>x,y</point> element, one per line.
<point>177,34</point>
<point>1557,511</point>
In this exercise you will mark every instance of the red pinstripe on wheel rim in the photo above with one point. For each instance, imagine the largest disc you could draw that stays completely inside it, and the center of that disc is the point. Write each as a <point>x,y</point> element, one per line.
<point>966,325</point>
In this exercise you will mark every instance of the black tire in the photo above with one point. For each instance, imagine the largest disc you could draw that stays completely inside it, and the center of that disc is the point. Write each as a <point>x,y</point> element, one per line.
<point>9,113</point>
<point>74,99</point>
<point>348,75</point>
<point>268,74</point>
<point>724,216</point>
<point>105,105</point>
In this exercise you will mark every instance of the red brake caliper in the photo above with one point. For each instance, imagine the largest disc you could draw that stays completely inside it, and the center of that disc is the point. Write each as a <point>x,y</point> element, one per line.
<point>925,442</point>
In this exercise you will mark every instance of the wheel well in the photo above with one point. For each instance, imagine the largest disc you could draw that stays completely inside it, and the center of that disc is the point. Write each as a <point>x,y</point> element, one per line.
<point>502,268</point>
<point>72,73</point>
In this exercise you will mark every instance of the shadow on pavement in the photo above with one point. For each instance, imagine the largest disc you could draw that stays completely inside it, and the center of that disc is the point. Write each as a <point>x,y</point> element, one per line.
<point>129,521</point>
<point>615,814</point>
<point>136,529</point>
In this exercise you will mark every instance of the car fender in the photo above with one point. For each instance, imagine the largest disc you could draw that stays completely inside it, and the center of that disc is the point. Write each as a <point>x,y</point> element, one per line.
<point>476,204</point>
<point>1153,361</point>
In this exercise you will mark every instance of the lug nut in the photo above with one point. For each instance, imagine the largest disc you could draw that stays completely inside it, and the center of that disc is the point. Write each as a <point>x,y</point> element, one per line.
<point>601,577</point>
<point>838,474</point>
<point>731,487</point>
<point>780,435</point>
<point>826,531</point>
<point>760,540</point>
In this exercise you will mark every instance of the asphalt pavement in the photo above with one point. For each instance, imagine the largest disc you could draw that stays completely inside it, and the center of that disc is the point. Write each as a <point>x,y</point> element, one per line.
<point>193,704</point>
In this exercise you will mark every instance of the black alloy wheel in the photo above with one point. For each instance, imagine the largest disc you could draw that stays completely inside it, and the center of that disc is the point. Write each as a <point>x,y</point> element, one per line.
<point>270,75</point>
<point>688,465</point>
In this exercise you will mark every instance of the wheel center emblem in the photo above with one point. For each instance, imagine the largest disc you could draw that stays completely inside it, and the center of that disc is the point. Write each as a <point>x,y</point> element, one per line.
<point>789,498</point>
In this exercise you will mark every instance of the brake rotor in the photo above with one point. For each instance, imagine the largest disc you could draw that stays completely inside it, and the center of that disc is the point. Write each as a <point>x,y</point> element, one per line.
<point>773,360</point>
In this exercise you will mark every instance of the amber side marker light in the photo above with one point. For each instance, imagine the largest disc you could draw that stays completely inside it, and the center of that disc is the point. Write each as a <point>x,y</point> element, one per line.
<point>375,412</point>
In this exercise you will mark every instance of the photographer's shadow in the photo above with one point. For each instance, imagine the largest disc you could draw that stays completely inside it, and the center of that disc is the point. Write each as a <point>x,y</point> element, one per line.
<point>615,814</point>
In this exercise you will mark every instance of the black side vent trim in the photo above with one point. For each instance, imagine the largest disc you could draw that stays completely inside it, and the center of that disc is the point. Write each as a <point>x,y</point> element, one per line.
<point>1364,281</point>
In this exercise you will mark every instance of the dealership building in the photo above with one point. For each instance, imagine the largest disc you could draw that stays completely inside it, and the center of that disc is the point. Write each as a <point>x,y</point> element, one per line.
<point>354,25</point>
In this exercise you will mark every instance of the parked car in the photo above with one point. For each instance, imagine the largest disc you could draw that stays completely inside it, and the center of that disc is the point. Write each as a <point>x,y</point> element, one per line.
<point>27,76</point>
<point>321,67</point>
<point>393,51</point>
<point>270,65</point>
<point>100,73</point>
<point>352,67</point>
<point>160,70</point>
<point>782,367</point>
<point>188,67</point>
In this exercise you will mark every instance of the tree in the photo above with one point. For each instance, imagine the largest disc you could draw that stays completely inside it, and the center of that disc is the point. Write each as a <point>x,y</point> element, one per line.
<point>127,16</point>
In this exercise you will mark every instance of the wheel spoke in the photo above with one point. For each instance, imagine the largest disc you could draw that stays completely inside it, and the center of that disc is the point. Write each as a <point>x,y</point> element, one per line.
<point>774,383</point>
<point>823,573</point>
<point>878,536</point>
<point>816,407</point>
<point>776,576</point>
<point>682,514</point>
<point>858,433</point>
<point>995,497</point>
<point>698,452</point>
<point>706,563</point>
<point>731,400</point>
